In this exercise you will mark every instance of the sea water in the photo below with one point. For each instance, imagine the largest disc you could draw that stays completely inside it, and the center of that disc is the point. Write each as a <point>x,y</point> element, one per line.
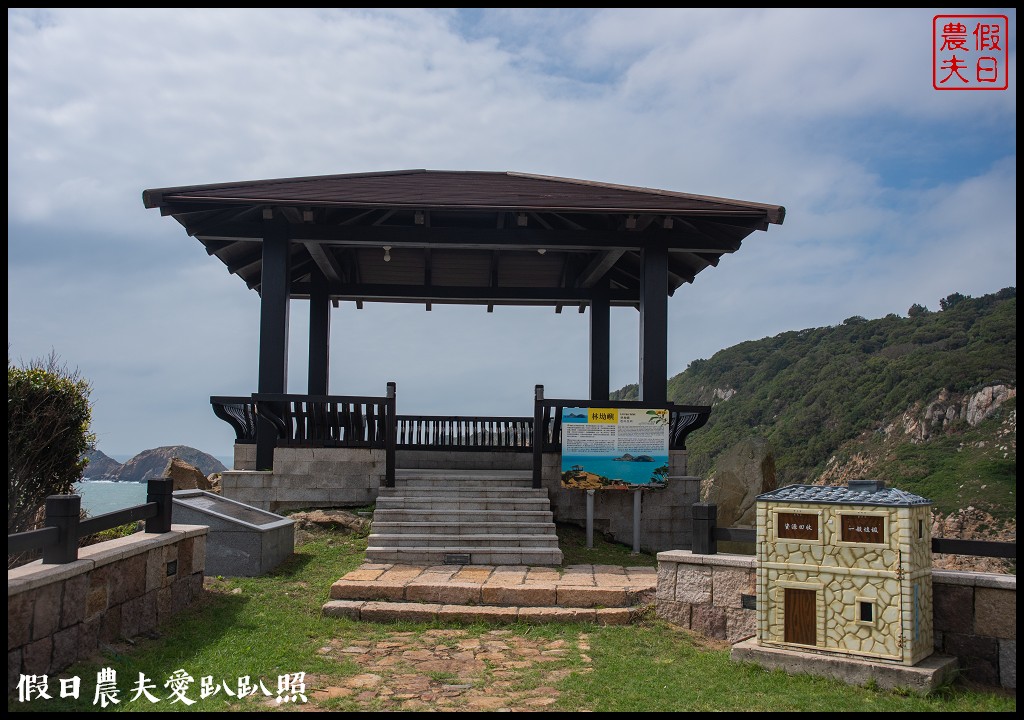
<point>103,496</point>
<point>633,473</point>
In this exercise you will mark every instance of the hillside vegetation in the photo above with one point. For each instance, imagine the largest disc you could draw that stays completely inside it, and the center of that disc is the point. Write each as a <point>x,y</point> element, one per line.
<point>925,402</point>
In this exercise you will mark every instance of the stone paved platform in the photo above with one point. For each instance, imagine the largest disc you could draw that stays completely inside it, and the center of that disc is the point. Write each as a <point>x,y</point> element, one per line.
<point>607,594</point>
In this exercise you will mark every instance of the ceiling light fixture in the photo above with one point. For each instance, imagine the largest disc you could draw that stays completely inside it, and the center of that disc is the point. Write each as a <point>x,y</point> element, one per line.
<point>387,253</point>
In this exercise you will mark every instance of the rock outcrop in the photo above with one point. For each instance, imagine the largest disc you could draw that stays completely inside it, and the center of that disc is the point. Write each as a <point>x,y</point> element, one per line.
<point>332,520</point>
<point>185,476</point>
<point>152,463</point>
<point>742,472</point>
<point>923,422</point>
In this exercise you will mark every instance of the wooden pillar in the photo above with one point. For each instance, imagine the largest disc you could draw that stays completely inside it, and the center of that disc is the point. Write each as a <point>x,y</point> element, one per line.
<point>319,334</point>
<point>600,340</point>
<point>654,326</point>
<point>273,372</point>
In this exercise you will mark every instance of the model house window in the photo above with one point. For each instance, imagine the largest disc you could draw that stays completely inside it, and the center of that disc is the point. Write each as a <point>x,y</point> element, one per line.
<point>920,529</point>
<point>867,611</point>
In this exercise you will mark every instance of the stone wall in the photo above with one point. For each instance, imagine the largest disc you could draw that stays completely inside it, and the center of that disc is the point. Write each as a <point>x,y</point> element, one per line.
<point>976,620</point>
<point>245,456</point>
<point>975,614</point>
<point>704,593</point>
<point>306,478</point>
<point>59,614</point>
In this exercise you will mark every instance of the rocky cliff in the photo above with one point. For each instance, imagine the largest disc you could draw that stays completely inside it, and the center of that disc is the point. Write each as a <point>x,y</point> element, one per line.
<point>149,464</point>
<point>101,467</point>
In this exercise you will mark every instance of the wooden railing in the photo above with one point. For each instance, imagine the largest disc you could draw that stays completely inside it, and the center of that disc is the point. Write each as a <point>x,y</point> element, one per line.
<point>707,533</point>
<point>357,421</point>
<point>58,539</point>
<point>343,421</point>
<point>438,432</point>
<point>325,420</point>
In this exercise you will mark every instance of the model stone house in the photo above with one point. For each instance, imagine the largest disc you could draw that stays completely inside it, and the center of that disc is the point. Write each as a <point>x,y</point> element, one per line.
<point>845,570</point>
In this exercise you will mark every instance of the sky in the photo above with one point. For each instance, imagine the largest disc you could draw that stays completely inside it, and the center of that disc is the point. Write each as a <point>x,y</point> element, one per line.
<point>896,193</point>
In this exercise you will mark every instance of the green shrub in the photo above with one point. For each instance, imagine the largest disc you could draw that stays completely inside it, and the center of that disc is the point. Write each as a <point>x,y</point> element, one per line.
<point>48,414</point>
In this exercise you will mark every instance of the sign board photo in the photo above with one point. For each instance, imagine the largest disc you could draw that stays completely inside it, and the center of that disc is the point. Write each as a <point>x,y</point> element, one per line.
<point>614,448</point>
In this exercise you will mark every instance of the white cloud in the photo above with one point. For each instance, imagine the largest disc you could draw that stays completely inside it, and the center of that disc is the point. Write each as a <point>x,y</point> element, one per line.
<point>895,193</point>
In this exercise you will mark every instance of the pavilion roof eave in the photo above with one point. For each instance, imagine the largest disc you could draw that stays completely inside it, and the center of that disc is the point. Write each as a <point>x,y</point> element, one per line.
<point>463,237</point>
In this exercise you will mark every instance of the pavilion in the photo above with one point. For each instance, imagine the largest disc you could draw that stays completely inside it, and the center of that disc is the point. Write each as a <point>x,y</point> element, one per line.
<point>432,237</point>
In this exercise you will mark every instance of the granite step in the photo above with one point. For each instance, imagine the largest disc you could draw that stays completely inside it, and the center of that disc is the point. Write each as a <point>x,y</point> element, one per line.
<point>433,516</point>
<point>448,515</point>
<point>463,491</point>
<point>465,541</point>
<point>446,526</point>
<point>439,555</point>
<point>462,503</point>
<point>382,592</point>
<point>452,478</point>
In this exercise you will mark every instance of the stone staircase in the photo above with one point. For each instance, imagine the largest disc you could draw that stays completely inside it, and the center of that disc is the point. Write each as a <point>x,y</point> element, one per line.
<point>463,517</point>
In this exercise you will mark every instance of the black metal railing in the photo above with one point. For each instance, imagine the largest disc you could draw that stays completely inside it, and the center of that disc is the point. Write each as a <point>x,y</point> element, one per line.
<point>441,432</point>
<point>707,533</point>
<point>239,413</point>
<point>64,525</point>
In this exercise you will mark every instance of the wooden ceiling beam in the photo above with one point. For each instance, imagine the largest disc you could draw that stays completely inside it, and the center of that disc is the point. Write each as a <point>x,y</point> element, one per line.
<point>528,238</point>
<point>599,267</point>
<point>324,258</point>
<point>482,295</point>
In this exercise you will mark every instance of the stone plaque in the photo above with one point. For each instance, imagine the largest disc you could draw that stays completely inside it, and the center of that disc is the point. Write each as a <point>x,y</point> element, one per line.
<point>227,508</point>
<point>797,526</point>
<point>863,529</point>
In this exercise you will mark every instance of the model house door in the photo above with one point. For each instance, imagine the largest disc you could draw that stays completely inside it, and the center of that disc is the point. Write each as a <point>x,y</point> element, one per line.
<point>801,616</point>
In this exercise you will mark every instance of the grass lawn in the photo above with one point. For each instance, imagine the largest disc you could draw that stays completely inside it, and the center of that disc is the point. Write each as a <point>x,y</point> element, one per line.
<point>268,628</point>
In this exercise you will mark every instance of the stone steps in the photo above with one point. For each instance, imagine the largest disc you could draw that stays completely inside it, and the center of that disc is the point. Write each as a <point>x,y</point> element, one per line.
<point>453,478</point>
<point>381,592</point>
<point>467,502</point>
<point>465,540</point>
<point>456,552</point>
<point>461,491</point>
<point>464,527</point>
<point>459,517</point>
<point>433,517</point>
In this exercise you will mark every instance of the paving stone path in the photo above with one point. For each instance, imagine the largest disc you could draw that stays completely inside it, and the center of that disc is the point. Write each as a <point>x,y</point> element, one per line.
<point>451,670</point>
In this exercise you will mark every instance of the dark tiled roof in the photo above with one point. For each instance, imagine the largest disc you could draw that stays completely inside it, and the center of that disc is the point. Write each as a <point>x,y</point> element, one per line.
<point>842,495</point>
<point>462,189</point>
